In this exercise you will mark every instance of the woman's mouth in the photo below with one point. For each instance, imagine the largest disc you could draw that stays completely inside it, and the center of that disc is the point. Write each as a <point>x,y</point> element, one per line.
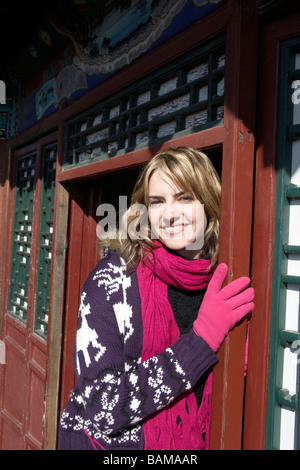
<point>174,229</point>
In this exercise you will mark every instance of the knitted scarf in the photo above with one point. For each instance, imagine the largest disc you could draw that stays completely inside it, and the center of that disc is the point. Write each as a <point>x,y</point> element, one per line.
<point>163,430</point>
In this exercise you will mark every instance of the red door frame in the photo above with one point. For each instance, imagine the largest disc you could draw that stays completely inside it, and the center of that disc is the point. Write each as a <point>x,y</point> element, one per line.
<point>4,189</point>
<point>83,253</point>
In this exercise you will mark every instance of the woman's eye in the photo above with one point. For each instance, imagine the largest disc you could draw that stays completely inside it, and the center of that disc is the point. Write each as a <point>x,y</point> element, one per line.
<point>154,202</point>
<point>186,198</point>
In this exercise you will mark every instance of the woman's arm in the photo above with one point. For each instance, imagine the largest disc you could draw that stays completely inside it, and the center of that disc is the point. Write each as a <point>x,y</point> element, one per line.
<point>114,389</point>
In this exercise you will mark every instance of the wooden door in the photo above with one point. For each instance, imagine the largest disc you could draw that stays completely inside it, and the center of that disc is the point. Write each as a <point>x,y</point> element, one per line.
<point>83,251</point>
<point>27,294</point>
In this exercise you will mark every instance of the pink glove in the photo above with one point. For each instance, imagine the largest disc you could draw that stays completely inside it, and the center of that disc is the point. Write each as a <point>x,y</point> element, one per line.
<point>221,309</point>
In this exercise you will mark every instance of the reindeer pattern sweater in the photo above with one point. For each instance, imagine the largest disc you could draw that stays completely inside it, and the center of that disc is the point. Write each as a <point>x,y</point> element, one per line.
<point>115,391</point>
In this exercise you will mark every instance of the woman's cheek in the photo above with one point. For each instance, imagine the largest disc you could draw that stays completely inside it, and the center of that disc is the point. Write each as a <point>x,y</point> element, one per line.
<point>154,222</point>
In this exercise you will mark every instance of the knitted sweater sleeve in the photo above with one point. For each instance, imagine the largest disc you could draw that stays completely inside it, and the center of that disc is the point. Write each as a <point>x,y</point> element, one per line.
<point>114,389</point>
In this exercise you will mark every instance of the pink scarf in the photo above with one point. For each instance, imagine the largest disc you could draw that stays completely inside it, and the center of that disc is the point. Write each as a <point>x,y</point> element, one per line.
<point>160,331</point>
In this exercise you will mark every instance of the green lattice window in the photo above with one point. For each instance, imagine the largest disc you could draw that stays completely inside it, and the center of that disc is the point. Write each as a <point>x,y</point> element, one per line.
<point>183,97</point>
<point>45,240</point>
<point>22,230</point>
<point>21,254</point>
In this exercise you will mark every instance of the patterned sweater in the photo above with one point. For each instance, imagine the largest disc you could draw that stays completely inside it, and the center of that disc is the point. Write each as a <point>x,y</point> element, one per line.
<point>115,391</point>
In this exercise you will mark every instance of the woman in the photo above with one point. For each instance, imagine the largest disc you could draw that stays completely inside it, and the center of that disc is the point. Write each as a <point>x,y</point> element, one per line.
<point>153,315</point>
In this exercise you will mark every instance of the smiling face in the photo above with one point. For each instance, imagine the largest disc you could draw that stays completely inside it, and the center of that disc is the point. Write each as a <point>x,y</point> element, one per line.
<point>176,217</point>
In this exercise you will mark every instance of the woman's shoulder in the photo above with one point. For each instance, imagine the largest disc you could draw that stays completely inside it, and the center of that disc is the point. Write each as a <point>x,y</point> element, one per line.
<point>108,275</point>
<point>111,260</point>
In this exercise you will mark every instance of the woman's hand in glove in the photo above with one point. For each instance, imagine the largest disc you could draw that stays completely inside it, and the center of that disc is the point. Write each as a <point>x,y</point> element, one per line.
<point>221,309</point>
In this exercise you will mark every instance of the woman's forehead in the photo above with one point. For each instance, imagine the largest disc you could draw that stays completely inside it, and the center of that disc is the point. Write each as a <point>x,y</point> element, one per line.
<point>160,178</point>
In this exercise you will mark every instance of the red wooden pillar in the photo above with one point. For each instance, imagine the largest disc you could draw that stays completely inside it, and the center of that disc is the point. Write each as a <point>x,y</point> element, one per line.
<point>4,186</point>
<point>236,213</point>
<point>262,259</point>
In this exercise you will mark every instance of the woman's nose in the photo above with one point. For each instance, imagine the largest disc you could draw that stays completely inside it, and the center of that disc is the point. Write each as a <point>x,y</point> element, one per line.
<point>170,212</point>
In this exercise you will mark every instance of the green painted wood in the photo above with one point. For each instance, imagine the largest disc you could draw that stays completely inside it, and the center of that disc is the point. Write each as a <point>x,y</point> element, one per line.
<point>279,337</point>
<point>45,240</point>
<point>21,242</point>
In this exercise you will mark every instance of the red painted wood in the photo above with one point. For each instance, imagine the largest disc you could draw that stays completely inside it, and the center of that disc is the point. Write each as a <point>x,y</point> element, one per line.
<point>262,257</point>
<point>83,254</point>
<point>4,187</point>
<point>205,139</point>
<point>236,215</point>
<point>73,286</point>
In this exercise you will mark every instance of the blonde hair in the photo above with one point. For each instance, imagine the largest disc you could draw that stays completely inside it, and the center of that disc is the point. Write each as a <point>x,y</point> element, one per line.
<point>192,171</point>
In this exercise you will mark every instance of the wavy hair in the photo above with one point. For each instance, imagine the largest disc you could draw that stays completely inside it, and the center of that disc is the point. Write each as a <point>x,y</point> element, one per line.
<point>192,171</point>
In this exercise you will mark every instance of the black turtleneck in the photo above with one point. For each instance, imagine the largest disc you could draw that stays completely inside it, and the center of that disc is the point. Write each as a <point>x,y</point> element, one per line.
<point>185,305</point>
